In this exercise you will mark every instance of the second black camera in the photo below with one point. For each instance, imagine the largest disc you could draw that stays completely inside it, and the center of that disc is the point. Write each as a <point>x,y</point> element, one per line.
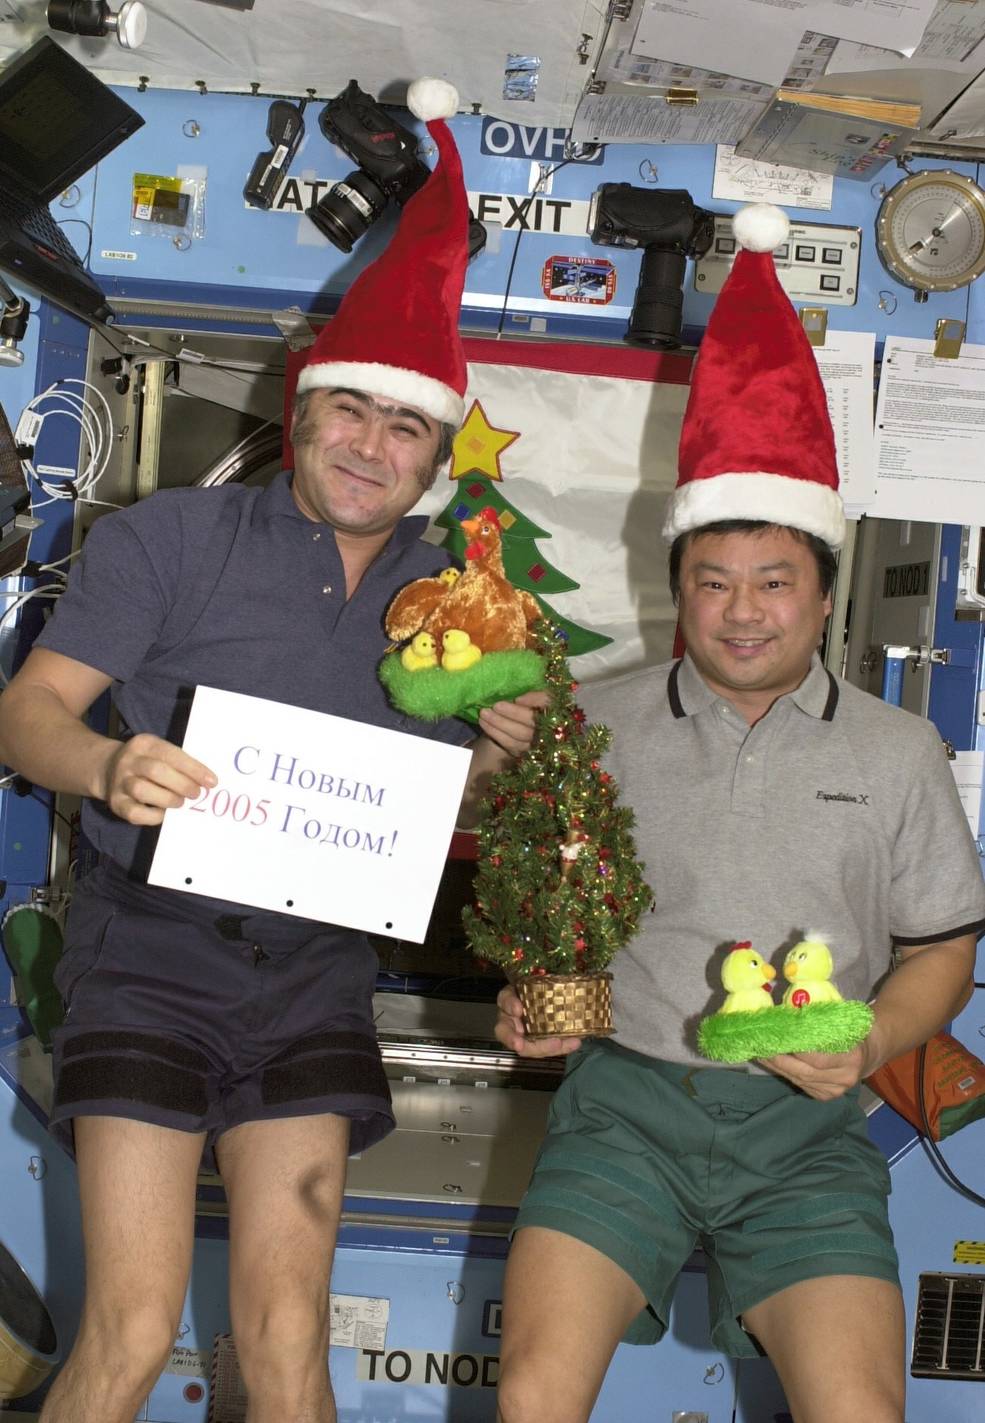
<point>669,227</point>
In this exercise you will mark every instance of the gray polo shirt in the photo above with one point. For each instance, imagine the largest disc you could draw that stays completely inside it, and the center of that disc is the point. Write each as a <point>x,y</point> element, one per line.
<point>232,588</point>
<point>835,814</point>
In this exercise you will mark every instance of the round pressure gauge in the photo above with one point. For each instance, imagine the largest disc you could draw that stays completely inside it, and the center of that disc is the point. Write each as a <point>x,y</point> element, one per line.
<point>930,231</point>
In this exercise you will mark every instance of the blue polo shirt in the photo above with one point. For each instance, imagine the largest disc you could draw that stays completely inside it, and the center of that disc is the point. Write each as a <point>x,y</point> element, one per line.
<point>234,588</point>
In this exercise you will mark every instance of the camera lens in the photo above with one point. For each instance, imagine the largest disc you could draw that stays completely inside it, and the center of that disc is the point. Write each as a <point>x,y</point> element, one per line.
<point>348,209</point>
<point>656,317</point>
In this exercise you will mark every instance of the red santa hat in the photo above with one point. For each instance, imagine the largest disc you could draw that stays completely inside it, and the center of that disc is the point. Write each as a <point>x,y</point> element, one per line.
<point>395,333</point>
<point>757,441</point>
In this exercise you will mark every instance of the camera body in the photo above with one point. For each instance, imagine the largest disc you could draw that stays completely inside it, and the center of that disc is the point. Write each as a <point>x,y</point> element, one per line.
<point>389,167</point>
<point>285,130</point>
<point>669,227</point>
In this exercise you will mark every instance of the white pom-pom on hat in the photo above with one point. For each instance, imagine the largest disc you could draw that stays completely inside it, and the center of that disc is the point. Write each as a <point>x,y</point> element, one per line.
<point>432,99</point>
<point>760,227</point>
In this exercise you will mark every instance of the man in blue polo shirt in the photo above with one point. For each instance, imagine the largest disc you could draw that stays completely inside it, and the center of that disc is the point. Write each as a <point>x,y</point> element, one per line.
<point>191,1022</point>
<point>771,800</point>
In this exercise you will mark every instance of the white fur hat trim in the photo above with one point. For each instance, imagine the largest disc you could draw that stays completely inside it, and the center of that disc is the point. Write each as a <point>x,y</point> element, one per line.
<point>394,382</point>
<point>432,99</point>
<point>761,227</point>
<point>768,498</point>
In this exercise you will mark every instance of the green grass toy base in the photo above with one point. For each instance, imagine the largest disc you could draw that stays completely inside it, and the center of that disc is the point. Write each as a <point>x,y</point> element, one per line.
<point>819,1027</point>
<point>432,693</point>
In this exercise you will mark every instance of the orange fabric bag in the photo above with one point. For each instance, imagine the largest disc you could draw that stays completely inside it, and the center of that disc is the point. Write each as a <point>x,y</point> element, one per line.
<point>953,1088</point>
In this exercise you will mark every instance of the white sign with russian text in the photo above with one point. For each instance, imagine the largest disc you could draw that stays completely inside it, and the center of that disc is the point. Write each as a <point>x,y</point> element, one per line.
<point>313,815</point>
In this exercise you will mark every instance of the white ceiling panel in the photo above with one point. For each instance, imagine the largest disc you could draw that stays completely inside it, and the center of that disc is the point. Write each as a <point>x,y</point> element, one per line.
<point>291,46</point>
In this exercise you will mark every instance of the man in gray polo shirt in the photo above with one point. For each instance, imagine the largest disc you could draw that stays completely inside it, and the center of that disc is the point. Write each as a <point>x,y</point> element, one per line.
<point>193,1023</point>
<point>772,800</point>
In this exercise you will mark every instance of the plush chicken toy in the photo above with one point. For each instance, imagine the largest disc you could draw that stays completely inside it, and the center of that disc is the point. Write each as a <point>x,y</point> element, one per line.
<point>813,1016</point>
<point>808,968</point>
<point>477,623</point>
<point>482,602</point>
<point>744,976</point>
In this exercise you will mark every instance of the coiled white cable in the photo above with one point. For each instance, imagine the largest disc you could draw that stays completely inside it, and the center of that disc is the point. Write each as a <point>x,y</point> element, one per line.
<point>58,399</point>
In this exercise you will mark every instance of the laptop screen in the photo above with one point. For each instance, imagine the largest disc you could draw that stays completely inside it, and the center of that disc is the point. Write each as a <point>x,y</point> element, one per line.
<point>56,121</point>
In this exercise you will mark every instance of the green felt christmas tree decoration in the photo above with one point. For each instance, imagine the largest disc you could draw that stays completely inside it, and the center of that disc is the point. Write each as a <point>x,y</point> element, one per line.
<point>813,1016</point>
<point>525,566</point>
<point>558,889</point>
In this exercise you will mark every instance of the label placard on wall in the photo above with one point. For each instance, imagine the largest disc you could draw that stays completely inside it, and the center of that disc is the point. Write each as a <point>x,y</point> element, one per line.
<point>501,139</point>
<point>359,1321</point>
<point>516,212</point>
<point>422,1366</point>
<point>907,580</point>
<point>586,280</point>
<point>526,212</point>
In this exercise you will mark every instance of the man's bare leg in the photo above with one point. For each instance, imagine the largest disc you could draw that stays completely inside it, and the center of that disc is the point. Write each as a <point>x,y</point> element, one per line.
<point>284,1180</point>
<point>837,1345</point>
<point>137,1186</point>
<point>565,1308</point>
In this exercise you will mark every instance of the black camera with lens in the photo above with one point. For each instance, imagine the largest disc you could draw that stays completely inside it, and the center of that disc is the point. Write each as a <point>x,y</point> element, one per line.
<point>389,169</point>
<point>669,227</point>
<point>388,166</point>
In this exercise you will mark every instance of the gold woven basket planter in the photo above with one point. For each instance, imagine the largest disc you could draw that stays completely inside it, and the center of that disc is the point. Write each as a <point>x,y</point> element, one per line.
<point>567,1005</point>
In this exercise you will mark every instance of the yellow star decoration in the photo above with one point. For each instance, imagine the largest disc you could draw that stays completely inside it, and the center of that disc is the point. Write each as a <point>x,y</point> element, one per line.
<point>478,446</point>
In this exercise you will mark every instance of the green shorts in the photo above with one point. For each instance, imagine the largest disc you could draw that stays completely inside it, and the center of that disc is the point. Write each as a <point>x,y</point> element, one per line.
<point>645,1160</point>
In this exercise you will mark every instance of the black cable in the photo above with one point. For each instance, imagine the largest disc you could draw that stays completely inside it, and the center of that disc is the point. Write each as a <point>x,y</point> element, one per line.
<point>175,356</point>
<point>48,806</point>
<point>103,329</point>
<point>521,214</point>
<point>246,375</point>
<point>63,222</point>
<point>930,1144</point>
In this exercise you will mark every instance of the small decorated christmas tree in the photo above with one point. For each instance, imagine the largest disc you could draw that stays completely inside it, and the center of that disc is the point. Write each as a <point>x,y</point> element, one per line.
<point>558,889</point>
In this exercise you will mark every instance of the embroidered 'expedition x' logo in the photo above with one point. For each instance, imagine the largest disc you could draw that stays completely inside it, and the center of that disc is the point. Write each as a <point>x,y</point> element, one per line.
<point>843,795</point>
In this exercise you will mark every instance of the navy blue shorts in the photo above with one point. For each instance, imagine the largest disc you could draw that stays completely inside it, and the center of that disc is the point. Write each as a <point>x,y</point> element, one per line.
<point>182,1015</point>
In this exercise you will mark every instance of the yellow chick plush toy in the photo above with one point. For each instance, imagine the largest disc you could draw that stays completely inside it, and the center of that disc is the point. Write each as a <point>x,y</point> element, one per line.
<point>421,652</point>
<point>459,651</point>
<point>808,968</point>
<point>745,976</point>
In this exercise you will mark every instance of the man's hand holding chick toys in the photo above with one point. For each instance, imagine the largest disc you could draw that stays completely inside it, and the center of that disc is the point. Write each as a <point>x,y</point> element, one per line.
<point>811,1025</point>
<point>929,986</point>
<point>511,1032</point>
<point>825,1075</point>
<point>507,732</point>
<point>511,725</point>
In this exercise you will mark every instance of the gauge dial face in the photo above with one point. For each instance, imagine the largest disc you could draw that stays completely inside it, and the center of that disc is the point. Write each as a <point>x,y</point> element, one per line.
<point>930,231</point>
